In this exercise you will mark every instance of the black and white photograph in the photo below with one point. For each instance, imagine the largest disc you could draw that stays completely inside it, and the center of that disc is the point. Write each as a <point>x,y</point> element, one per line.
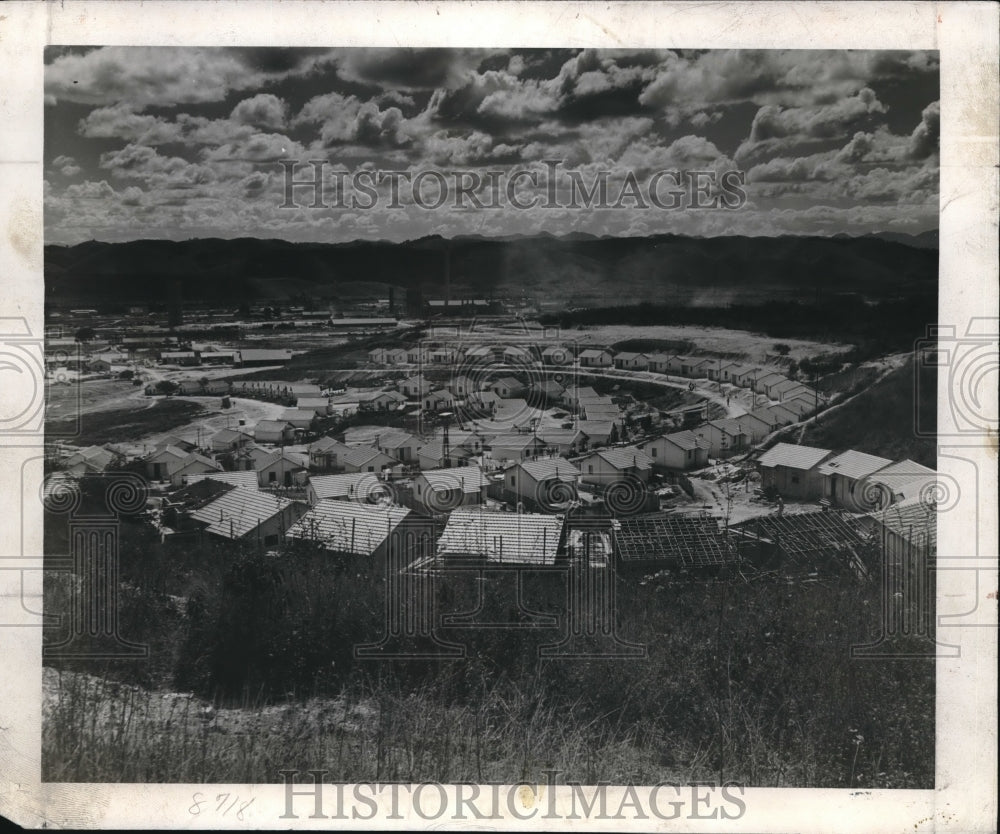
<point>551,433</point>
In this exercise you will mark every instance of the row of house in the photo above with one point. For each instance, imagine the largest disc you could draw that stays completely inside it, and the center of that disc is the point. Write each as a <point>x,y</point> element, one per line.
<point>243,358</point>
<point>852,480</point>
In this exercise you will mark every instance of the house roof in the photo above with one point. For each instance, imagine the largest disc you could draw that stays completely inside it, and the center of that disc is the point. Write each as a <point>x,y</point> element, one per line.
<point>557,436</point>
<point>913,520</point>
<point>168,451</point>
<point>363,455</point>
<point>768,416</point>
<point>729,425</point>
<point>629,355</point>
<point>296,459</point>
<point>585,392</point>
<point>516,441</point>
<point>852,464</point>
<point>371,396</point>
<point>290,414</point>
<point>598,428</point>
<point>509,381</point>
<point>624,457</point>
<point>396,440</point>
<point>782,412</point>
<point>659,357</point>
<point>326,443</point>
<point>272,425</point>
<point>790,385</point>
<point>440,395</point>
<point>356,485</point>
<point>312,402</point>
<point>519,538</point>
<point>469,479</point>
<point>194,457</point>
<point>792,456</point>
<point>548,385</point>
<point>593,353</point>
<point>798,405</point>
<point>772,378</point>
<point>261,355</point>
<point>905,469</point>
<point>246,479</point>
<point>546,468</point>
<point>239,511</point>
<point>686,440</point>
<point>347,527</point>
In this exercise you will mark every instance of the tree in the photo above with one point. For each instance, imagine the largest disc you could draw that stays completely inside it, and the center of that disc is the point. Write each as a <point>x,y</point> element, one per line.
<point>165,386</point>
<point>85,334</point>
<point>126,374</point>
<point>782,349</point>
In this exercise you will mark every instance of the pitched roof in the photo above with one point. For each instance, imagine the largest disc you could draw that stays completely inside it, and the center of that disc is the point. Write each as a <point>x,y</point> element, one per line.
<point>686,440</point>
<point>238,511</point>
<point>516,441</point>
<point>627,355</point>
<point>792,456</point>
<point>313,402</point>
<point>770,417</point>
<point>396,439</point>
<point>659,357</point>
<point>294,458</point>
<point>624,457</point>
<point>247,479</point>
<point>519,538</point>
<point>261,354</point>
<point>356,485</point>
<point>272,425</point>
<point>557,436</point>
<point>852,464</point>
<point>346,527</point>
<point>362,455</point>
<point>546,468</point>
<point>591,353</point>
<point>194,457</point>
<point>469,479</point>
<point>913,520</point>
<point>730,425</point>
<point>782,412</point>
<point>905,468</point>
<point>509,381</point>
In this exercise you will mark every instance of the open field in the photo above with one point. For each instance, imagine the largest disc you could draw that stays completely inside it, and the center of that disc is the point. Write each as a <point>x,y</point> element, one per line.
<point>124,424</point>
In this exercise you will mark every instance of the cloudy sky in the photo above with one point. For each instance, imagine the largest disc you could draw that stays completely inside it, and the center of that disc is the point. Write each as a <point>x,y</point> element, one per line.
<point>185,142</point>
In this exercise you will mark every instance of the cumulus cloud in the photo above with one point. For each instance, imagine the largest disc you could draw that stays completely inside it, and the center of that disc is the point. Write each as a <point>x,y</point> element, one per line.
<point>262,111</point>
<point>164,75</point>
<point>926,135</point>
<point>66,166</point>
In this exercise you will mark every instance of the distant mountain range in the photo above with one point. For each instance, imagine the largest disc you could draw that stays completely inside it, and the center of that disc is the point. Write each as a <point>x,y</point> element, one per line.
<point>576,268</point>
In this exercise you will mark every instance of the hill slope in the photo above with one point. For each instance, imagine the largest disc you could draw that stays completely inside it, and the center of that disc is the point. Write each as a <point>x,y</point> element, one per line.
<point>664,268</point>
